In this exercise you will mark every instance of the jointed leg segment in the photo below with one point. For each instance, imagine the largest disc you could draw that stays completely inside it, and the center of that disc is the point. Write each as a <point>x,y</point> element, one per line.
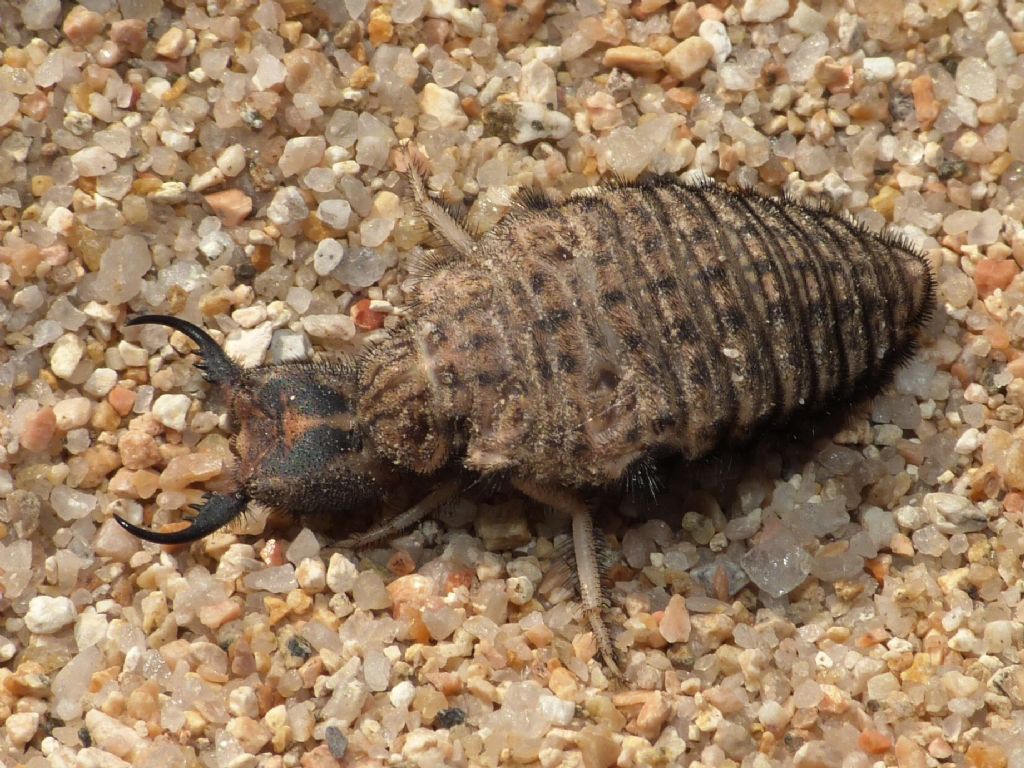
<point>403,520</point>
<point>587,561</point>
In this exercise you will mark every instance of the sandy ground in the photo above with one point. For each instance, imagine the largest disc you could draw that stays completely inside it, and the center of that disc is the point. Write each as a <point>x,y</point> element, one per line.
<point>851,604</point>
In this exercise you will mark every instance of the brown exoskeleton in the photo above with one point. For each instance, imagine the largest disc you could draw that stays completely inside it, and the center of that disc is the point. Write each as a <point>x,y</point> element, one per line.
<point>572,343</point>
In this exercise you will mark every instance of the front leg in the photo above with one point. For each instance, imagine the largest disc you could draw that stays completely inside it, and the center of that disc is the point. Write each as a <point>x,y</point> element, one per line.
<point>587,560</point>
<point>393,526</point>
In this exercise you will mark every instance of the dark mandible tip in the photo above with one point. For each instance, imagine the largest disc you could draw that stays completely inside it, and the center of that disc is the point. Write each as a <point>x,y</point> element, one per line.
<point>216,366</point>
<point>217,511</point>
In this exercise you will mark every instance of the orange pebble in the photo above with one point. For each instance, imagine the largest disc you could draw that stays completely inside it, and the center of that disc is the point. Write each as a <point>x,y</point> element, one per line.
<point>456,579</point>
<point>997,336</point>
<point>874,742</point>
<point>122,400</point>
<point>986,756</point>
<point>1016,367</point>
<point>365,318</point>
<point>1014,502</point>
<point>990,274</point>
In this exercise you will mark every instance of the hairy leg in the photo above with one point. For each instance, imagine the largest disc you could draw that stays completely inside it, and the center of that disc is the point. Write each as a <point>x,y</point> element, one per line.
<point>587,561</point>
<point>393,526</point>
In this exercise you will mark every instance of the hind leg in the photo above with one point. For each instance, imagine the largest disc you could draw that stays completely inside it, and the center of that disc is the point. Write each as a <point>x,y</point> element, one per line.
<point>586,561</point>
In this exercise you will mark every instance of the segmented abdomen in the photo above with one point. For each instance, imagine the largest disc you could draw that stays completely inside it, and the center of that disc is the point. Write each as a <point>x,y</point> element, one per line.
<point>658,315</point>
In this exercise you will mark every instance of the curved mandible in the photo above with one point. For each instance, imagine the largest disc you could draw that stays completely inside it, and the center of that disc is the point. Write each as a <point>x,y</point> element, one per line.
<point>215,512</point>
<point>217,367</point>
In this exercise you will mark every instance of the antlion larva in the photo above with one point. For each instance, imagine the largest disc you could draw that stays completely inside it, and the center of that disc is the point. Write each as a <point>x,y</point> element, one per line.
<point>572,343</point>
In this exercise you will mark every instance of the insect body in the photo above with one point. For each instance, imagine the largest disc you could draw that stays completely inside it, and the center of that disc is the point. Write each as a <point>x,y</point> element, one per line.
<point>574,341</point>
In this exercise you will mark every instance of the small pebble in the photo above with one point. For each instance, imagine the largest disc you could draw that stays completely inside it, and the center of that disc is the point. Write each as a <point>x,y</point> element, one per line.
<point>633,58</point>
<point>93,161</point>
<point>763,10</point>
<point>675,621</point>
<point>443,106</point>
<point>301,154</point>
<point>688,58</point>
<point>369,592</point>
<point>231,206</point>
<point>334,327</point>
<point>47,615</point>
<point>38,430</point>
<point>171,410</point>
<point>21,728</point>
<point>81,25</point>
<point>66,354</point>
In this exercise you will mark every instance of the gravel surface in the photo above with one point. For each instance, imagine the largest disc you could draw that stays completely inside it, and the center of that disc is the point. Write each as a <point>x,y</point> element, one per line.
<point>856,603</point>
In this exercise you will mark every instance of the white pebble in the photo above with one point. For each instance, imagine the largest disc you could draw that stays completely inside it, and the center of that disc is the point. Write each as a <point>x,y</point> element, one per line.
<point>72,413</point>
<point>169,193</point>
<point>287,206</point>
<point>278,579</point>
<point>950,513</point>
<point>288,345</point>
<point>21,727</point>
<point>171,410</point>
<point>688,58</point>
<point>100,382</point>
<point>407,11</point>
<point>369,592</point>
<point>976,80</point>
<point>965,641</point>
<point>40,14</point>
<point>519,589</point>
<point>232,160</point>
<point>880,68</point>
<point>7,648</point>
<point>111,734</point>
<point>340,327</point>
<point>242,702</point>
<point>47,615</point>
<point>66,354</point>
<point>334,213</point>
<point>250,317</point>
<point>132,355</point>
<point>763,10</point>
<point>203,181</point>
<point>999,50</point>
<point>249,347</point>
<point>806,20</point>
<point>714,32</point>
<point>373,232</point>
<point>376,671</point>
<point>90,629</point>
<point>71,504</point>
<point>881,687</point>
<point>530,122</point>
<point>968,442</point>
<point>270,72</point>
<point>772,715</point>
<point>443,105</point>
<point>362,267</point>
<point>401,695</point>
<point>557,711</point>
<point>301,153</point>
<point>29,298</point>
<point>341,574</point>
<point>311,574</point>
<point>537,83</point>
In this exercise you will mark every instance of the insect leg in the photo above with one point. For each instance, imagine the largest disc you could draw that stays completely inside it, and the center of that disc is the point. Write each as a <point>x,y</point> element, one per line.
<point>449,228</point>
<point>215,512</point>
<point>588,566</point>
<point>403,520</point>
